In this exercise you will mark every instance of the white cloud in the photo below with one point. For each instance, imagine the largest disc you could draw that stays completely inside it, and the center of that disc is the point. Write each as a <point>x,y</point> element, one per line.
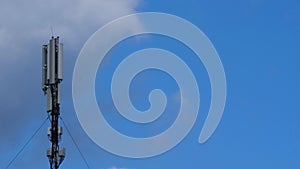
<point>27,22</point>
<point>24,28</point>
<point>116,168</point>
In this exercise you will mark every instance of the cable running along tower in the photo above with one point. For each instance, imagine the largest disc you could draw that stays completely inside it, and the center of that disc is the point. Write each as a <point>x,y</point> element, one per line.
<point>52,55</point>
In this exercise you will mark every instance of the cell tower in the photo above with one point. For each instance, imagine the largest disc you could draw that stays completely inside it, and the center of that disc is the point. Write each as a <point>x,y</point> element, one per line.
<point>52,55</point>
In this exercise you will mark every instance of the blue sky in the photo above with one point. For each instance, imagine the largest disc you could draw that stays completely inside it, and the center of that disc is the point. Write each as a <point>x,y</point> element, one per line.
<point>258,44</point>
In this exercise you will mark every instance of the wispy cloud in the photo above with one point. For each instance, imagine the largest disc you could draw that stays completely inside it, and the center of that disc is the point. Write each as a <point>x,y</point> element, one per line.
<point>25,26</point>
<point>117,168</point>
<point>25,22</point>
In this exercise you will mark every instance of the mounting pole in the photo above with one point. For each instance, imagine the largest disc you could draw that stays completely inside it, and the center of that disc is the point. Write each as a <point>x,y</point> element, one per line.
<point>52,54</point>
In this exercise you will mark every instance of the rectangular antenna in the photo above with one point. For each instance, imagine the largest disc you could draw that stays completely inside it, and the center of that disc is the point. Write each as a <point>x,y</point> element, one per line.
<point>49,100</point>
<point>44,68</point>
<point>52,64</point>
<point>60,62</point>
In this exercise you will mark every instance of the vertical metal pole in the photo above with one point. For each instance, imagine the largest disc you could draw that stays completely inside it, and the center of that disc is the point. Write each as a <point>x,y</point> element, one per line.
<point>54,125</point>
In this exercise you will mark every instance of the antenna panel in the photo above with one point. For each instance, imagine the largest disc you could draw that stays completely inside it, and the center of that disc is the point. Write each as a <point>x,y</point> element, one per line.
<point>52,61</point>
<point>60,62</point>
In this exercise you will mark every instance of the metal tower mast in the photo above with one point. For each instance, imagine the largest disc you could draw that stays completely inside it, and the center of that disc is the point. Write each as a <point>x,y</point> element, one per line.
<point>52,55</point>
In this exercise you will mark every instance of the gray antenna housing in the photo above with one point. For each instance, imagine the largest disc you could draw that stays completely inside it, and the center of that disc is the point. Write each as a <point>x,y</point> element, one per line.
<point>52,63</point>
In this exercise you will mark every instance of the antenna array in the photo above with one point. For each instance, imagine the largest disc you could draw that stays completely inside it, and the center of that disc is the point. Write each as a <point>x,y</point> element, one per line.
<point>52,55</point>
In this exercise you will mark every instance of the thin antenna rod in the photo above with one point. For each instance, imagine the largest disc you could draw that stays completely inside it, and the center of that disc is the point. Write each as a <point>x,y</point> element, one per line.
<point>51,29</point>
